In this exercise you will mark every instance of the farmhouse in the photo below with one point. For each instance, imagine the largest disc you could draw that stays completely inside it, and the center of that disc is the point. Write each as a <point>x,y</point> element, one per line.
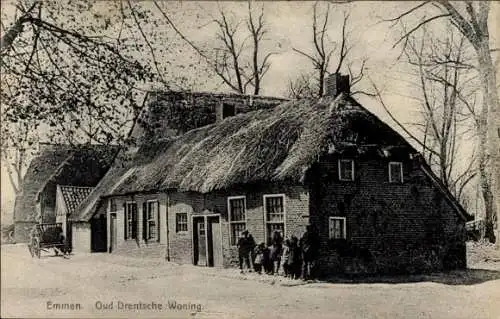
<point>56,164</point>
<point>376,204</point>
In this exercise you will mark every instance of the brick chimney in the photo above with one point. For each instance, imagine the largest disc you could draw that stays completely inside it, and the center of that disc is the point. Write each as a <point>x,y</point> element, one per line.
<point>335,84</point>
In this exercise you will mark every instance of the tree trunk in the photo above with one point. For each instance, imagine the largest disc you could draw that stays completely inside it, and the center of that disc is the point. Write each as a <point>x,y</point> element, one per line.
<point>490,135</point>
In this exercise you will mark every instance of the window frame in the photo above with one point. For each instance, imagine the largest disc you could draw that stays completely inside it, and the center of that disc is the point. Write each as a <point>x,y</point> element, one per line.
<point>344,228</point>
<point>231,222</point>
<point>340,161</point>
<point>177,224</point>
<point>113,207</point>
<point>131,235</point>
<point>156,219</point>
<point>267,222</point>
<point>401,181</point>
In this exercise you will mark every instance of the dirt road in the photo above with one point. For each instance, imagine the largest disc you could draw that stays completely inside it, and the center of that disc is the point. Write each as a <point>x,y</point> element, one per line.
<point>102,285</point>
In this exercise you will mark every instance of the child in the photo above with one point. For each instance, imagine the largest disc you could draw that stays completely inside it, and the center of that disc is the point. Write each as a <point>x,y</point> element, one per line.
<point>285,256</point>
<point>267,264</point>
<point>276,251</point>
<point>259,258</point>
<point>294,258</point>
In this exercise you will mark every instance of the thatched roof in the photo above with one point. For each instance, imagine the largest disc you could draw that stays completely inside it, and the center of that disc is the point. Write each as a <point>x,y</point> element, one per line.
<point>266,145</point>
<point>81,165</point>
<point>278,144</point>
<point>38,173</point>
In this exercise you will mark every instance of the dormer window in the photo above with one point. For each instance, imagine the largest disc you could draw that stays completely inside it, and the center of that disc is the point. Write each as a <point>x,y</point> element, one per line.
<point>395,172</point>
<point>228,110</point>
<point>346,170</point>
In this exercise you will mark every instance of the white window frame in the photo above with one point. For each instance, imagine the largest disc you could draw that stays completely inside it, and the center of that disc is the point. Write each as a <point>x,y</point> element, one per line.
<point>401,172</point>
<point>231,222</point>
<point>129,229</point>
<point>155,218</point>
<point>266,222</point>
<point>344,228</point>
<point>340,169</point>
<point>176,223</point>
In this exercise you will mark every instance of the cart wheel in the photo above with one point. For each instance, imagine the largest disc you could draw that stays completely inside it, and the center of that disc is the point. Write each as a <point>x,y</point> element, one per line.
<point>36,247</point>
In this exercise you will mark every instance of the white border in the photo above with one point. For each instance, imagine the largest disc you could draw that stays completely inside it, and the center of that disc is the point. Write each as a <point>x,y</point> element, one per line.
<point>265,214</point>
<point>340,171</point>
<point>390,175</point>
<point>229,214</point>
<point>344,228</point>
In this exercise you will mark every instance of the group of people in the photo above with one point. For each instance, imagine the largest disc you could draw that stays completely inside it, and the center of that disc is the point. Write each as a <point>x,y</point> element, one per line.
<point>292,257</point>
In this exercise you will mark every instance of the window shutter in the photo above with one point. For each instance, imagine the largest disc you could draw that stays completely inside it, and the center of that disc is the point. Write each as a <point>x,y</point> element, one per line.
<point>134,221</point>
<point>144,221</point>
<point>125,221</point>
<point>157,221</point>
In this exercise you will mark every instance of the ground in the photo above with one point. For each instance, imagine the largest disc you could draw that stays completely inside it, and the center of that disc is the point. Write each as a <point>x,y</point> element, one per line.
<point>31,287</point>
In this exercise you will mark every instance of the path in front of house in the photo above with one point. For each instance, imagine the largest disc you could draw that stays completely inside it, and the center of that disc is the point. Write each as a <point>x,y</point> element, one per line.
<point>28,284</point>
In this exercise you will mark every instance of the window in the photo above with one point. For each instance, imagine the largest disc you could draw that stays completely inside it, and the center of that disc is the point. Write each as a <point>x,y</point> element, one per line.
<point>201,229</point>
<point>395,172</point>
<point>274,214</point>
<point>236,207</point>
<point>151,220</point>
<point>131,220</point>
<point>181,222</point>
<point>112,205</point>
<point>228,110</point>
<point>346,170</point>
<point>336,228</point>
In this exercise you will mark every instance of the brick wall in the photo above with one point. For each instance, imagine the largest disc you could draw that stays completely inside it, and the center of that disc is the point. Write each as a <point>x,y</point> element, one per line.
<point>296,205</point>
<point>139,246</point>
<point>179,248</point>
<point>180,243</point>
<point>406,227</point>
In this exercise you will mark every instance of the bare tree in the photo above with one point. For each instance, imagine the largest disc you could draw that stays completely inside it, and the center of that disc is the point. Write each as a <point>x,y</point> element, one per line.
<point>64,76</point>
<point>471,20</point>
<point>304,86</point>
<point>323,50</point>
<point>72,82</point>
<point>239,65</point>
<point>445,103</point>
<point>17,150</point>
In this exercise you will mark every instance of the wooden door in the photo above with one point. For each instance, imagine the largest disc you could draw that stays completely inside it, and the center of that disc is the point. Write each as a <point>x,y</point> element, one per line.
<point>214,242</point>
<point>199,240</point>
<point>98,234</point>
<point>113,230</point>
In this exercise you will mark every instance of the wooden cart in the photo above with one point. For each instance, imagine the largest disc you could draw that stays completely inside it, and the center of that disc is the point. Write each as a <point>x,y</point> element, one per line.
<point>46,236</point>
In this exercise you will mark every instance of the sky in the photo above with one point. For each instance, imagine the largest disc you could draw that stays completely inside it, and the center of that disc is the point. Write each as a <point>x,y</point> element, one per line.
<point>289,26</point>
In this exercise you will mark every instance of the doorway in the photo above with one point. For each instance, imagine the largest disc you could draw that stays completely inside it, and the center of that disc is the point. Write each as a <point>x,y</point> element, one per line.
<point>207,241</point>
<point>112,230</point>
<point>98,231</point>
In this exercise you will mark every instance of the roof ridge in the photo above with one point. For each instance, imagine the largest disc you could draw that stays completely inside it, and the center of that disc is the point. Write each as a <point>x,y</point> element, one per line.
<point>72,186</point>
<point>219,94</point>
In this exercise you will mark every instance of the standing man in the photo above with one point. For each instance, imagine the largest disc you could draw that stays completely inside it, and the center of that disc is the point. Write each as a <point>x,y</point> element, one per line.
<point>245,245</point>
<point>309,245</point>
